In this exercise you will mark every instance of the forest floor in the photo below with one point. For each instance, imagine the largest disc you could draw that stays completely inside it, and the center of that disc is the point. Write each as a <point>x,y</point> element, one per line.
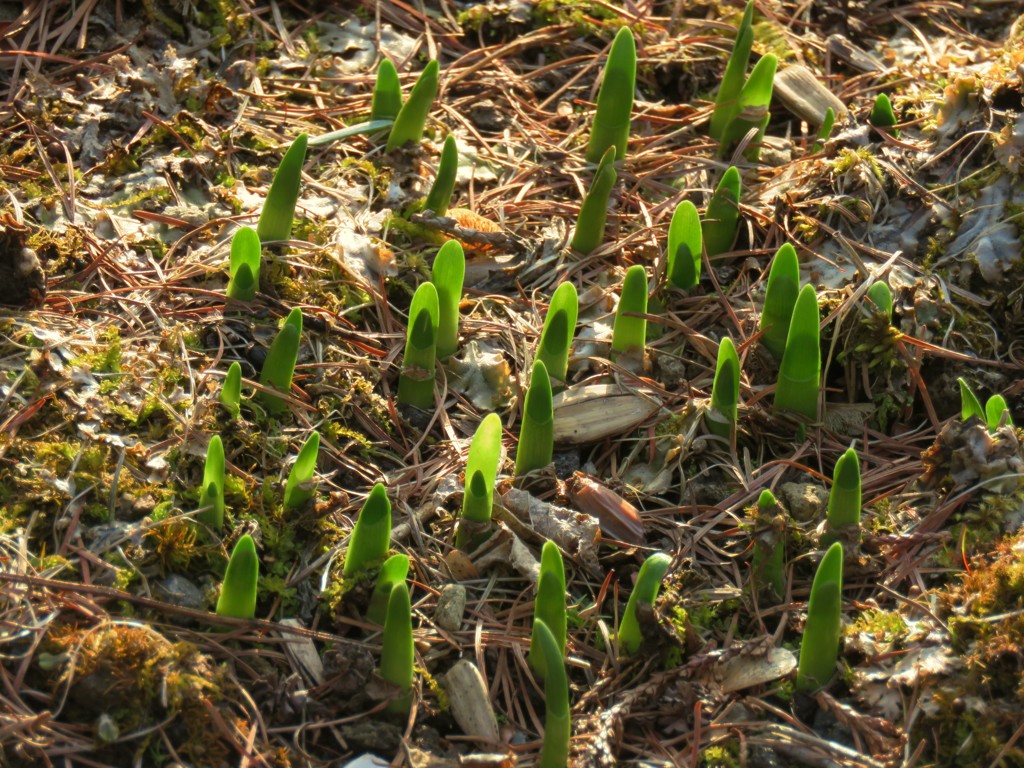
<point>135,137</point>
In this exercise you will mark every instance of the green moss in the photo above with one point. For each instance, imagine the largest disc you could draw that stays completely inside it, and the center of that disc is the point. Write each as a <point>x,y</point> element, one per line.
<point>882,626</point>
<point>725,754</point>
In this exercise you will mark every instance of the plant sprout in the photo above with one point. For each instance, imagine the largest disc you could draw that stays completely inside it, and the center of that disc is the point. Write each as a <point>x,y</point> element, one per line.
<point>416,383</point>
<point>244,266</point>
<point>279,365</point>
<point>279,208</point>
<point>554,752</point>
<point>844,499</point>
<point>411,120</point>
<point>481,473</point>
<point>754,100</point>
<point>629,333</point>
<point>799,382</point>
<point>394,571</point>
<point>769,566</point>
<point>559,328</point>
<point>684,246</point>
<point>826,131</point>
<point>397,652</point>
<point>212,497</point>
<point>614,99</point>
<point>882,115</point>
<point>238,593</point>
<point>590,226</point>
<point>447,275</point>
<point>725,391</point>
<point>300,488</point>
<point>819,647</point>
<point>371,535</point>
<point>718,226</point>
<point>779,300</point>
<point>549,607</point>
<point>645,592</point>
<point>994,410</point>
<point>387,92</point>
<point>969,403</point>
<point>231,390</point>
<point>440,196</point>
<point>537,429</point>
<point>880,295</point>
<point>991,414</point>
<point>727,104</point>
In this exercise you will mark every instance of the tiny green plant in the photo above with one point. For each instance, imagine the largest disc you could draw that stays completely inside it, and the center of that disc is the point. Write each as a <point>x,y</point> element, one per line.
<point>212,496</point>
<point>559,328</point>
<point>387,92</point>
<point>754,100</point>
<point>537,429</point>
<point>969,403</point>
<point>727,103</point>
<point>371,535</point>
<point>684,246</point>
<point>799,383</point>
<point>719,223</point>
<point>549,607</point>
<point>447,275</point>
<point>826,131</point>
<point>881,297</point>
<point>590,226</point>
<point>725,391</point>
<point>645,592</point>
<point>554,751</point>
<point>629,333</point>
<point>231,390</point>
<point>819,647</point>
<point>244,266</point>
<point>779,300</point>
<point>238,593</point>
<point>440,196</point>
<point>769,564</point>
<point>416,383</point>
<point>844,499</point>
<point>397,652</point>
<point>300,488</point>
<point>614,99</point>
<point>279,365</point>
<point>991,414</point>
<point>882,115</point>
<point>481,473</point>
<point>279,208</point>
<point>394,571</point>
<point>411,120</point>
<point>995,407</point>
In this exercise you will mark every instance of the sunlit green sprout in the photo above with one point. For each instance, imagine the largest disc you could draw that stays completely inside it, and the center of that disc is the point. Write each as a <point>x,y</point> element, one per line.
<point>231,390</point>
<point>826,130</point>
<point>554,752</point>
<point>614,99</point>
<point>440,196</point>
<point>882,115</point>
<point>398,654</point>
<point>727,103</point>
<point>799,382</point>
<point>991,414</point>
<point>645,592</point>
<point>412,117</point>
<point>779,300</point>
<point>416,383</point>
<point>394,571</point>
<point>844,499</point>
<point>559,328</point>
<point>719,223</point>
<point>684,246</point>
<point>447,275</point>
<point>589,232</point>
<point>537,429</point>
<point>212,496</point>
<point>238,593</point>
<point>819,647</point>
<point>629,333</point>
<point>300,488</point>
<point>994,410</point>
<point>279,365</point>
<point>753,101</point>
<point>880,295</point>
<point>769,564</point>
<point>725,391</point>
<point>279,208</point>
<point>244,266</point>
<point>371,535</point>
<point>549,607</point>
<point>387,92</point>
<point>481,473</point>
<point>969,403</point>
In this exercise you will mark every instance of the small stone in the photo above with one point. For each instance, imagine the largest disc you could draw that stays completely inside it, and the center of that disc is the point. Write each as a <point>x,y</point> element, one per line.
<point>177,590</point>
<point>470,701</point>
<point>451,605</point>
<point>804,500</point>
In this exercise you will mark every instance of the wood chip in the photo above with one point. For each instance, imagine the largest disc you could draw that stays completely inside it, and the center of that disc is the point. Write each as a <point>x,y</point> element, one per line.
<point>803,94</point>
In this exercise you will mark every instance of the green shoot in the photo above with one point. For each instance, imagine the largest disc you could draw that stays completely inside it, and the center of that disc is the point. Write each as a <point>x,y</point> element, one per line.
<point>387,92</point>
<point>300,488</point>
<point>727,103</point>
<point>238,593</point>
<point>629,333</point>
<point>826,131</point>
<point>212,497</point>
<point>719,223</point>
<point>481,474</point>
<point>279,208</point>
<point>549,607</point>
<point>370,126</point>
<point>416,383</point>
<point>882,115</point>
<point>537,429</point>
<point>279,365</point>
<point>819,647</point>
<point>969,403</point>
<point>589,232</point>
<point>394,571</point>
<point>554,752</point>
<point>371,535</point>
<point>725,391</point>
<point>779,300</point>
<point>880,295</point>
<point>447,275</point>
<point>645,592</point>
<point>614,99</point>
<point>684,246</point>
<point>559,328</point>
<point>412,117</point>
<point>799,382</point>
<point>844,499</point>
<point>769,564</point>
<point>398,654</point>
<point>231,390</point>
<point>440,196</point>
<point>994,410</point>
<point>754,100</point>
<point>244,267</point>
